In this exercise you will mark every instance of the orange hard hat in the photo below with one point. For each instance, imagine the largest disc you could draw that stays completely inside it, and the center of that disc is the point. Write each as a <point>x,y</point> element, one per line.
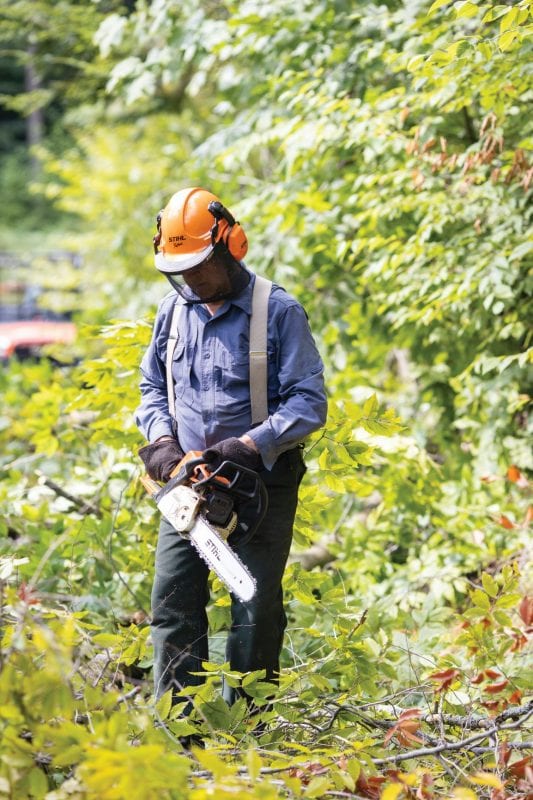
<point>192,223</point>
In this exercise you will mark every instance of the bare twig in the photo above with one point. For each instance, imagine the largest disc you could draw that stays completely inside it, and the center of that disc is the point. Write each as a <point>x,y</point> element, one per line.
<point>510,745</point>
<point>83,506</point>
<point>125,697</point>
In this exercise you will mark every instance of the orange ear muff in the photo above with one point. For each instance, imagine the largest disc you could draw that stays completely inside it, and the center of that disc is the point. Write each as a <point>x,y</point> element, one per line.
<point>236,242</point>
<point>229,232</point>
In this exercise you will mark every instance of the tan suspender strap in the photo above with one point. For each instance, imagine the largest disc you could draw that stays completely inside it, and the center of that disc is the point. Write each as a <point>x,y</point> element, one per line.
<point>258,350</point>
<point>173,337</point>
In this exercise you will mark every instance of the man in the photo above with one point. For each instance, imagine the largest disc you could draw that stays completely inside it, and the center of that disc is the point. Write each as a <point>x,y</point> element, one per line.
<point>200,247</point>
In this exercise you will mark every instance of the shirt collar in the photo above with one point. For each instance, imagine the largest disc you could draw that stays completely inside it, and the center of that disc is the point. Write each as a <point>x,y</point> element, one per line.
<point>244,299</point>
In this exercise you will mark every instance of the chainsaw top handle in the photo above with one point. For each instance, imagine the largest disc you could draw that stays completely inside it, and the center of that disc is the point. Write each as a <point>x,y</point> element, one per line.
<point>240,481</point>
<point>242,484</point>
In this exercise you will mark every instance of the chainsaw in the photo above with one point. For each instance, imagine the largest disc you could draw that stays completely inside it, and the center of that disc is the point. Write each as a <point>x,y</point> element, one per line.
<point>215,510</point>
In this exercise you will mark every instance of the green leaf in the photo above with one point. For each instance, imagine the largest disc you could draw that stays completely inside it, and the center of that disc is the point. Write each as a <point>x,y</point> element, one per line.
<point>489,584</point>
<point>436,5</point>
<point>335,483</point>
<point>506,40</point>
<point>164,705</point>
<point>485,49</point>
<point>466,10</point>
<point>323,459</point>
<point>38,783</point>
<point>502,618</point>
<point>370,405</point>
<point>508,600</point>
<point>508,20</point>
<point>107,639</point>
<point>521,250</point>
<point>317,786</point>
<point>480,599</point>
<point>253,763</point>
<point>253,677</point>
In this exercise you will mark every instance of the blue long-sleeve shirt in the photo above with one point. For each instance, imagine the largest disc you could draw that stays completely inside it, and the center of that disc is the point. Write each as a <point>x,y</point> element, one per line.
<point>211,376</point>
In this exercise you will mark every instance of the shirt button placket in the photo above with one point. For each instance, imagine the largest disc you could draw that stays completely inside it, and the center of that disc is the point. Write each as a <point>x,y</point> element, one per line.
<point>208,389</point>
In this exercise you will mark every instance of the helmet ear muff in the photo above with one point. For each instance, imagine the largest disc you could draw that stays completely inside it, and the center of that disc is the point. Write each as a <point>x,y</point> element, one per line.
<point>229,232</point>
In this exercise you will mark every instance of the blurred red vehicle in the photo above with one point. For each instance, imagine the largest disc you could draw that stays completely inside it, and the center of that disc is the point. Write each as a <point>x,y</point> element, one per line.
<point>27,322</point>
<point>27,337</point>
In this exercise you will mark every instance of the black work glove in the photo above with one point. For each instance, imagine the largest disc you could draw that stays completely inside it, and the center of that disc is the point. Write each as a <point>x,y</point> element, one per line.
<point>233,449</point>
<point>160,458</point>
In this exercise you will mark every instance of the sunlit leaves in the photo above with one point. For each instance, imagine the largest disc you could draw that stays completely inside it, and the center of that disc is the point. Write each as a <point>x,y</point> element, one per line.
<point>379,160</point>
<point>134,772</point>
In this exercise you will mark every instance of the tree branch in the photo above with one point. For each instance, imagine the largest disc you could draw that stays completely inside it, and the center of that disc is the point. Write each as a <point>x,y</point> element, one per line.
<point>84,506</point>
<point>469,125</point>
<point>462,744</point>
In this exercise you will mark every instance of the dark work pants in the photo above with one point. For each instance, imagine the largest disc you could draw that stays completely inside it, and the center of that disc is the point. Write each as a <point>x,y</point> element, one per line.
<point>180,593</point>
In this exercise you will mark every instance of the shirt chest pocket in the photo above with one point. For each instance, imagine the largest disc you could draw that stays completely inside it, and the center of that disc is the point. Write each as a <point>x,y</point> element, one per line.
<point>236,374</point>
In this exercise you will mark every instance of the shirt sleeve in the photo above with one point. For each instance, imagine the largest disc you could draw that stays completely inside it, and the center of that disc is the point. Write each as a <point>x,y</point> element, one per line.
<point>303,406</point>
<point>152,415</point>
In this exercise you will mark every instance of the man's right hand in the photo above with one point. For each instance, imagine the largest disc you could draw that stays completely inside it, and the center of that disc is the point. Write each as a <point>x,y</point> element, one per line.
<point>161,457</point>
<point>235,450</point>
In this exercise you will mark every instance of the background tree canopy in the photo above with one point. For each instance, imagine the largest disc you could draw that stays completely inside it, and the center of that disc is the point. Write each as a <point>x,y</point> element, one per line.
<point>379,158</point>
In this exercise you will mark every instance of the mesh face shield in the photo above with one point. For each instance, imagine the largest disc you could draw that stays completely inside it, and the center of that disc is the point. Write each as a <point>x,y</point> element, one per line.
<point>219,277</point>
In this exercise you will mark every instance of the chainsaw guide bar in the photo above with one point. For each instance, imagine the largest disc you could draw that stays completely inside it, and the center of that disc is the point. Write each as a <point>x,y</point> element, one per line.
<point>184,507</point>
<point>222,560</point>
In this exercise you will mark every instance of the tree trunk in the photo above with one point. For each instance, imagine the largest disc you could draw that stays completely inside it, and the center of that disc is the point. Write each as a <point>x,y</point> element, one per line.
<point>34,121</point>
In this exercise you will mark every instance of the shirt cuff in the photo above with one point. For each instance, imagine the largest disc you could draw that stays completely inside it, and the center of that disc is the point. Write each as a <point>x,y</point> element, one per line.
<point>265,443</point>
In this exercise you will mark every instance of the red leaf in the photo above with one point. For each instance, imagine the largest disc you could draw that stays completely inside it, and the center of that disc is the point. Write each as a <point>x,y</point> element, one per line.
<point>306,772</point>
<point>518,769</point>
<point>494,688</point>
<point>370,787</point>
<point>505,522</point>
<point>492,705</point>
<point>410,713</point>
<point>529,516</point>
<point>492,674</point>
<point>525,609</point>
<point>513,473</point>
<point>444,674</point>
<point>504,754</point>
<point>423,792</point>
<point>516,696</point>
<point>406,727</point>
<point>27,594</point>
<point>445,678</point>
<point>519,642</point>
<point>407,736</point>
<point>480,677</point>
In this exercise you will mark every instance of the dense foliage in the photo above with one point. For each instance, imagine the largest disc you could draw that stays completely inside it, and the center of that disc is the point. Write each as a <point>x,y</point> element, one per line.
<point>379,158</point>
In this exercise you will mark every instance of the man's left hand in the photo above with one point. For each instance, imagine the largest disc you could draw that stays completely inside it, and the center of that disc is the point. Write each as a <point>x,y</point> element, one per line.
<point>235,450</point>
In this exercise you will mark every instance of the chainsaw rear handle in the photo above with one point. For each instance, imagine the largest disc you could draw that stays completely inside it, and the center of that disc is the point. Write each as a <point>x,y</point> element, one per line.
<point>151,486</point>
